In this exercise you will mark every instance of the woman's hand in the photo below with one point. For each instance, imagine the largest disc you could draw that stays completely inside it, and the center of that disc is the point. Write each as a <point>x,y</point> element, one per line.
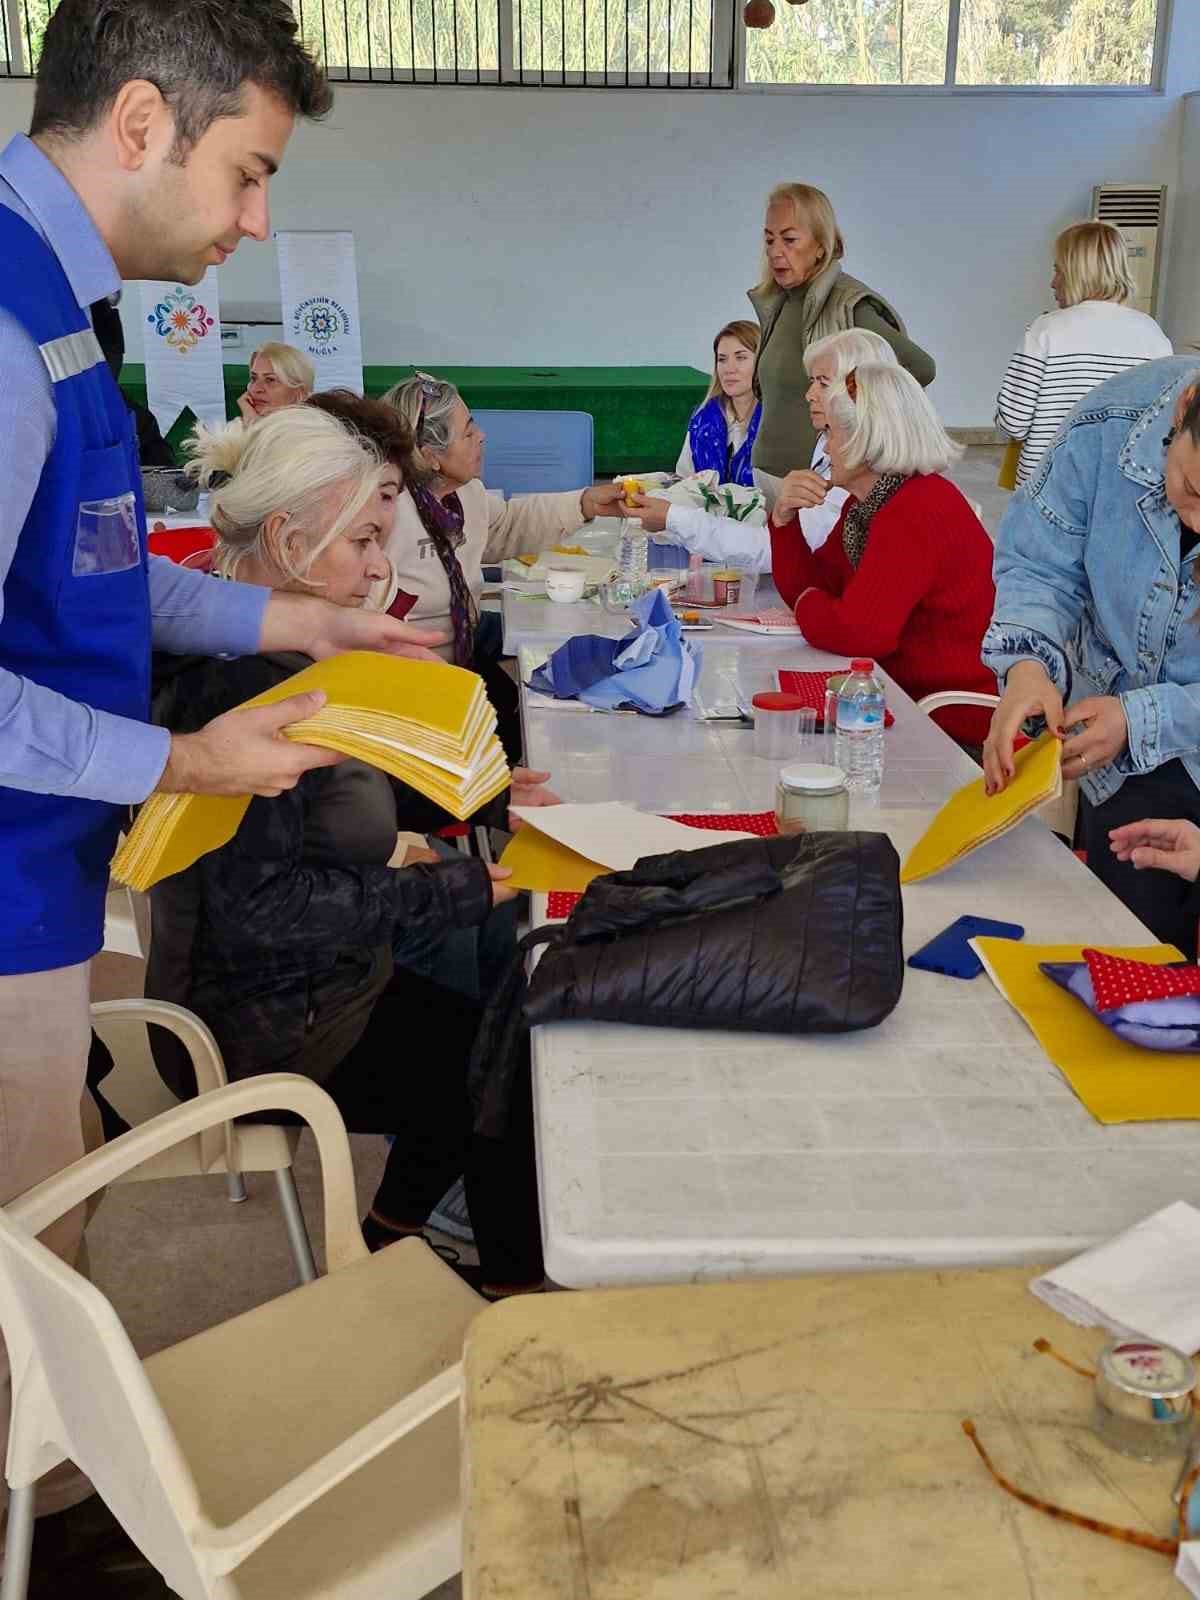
<point>247,411</point>
<point>1172,846</point>
<point>798,492</point>
<point>602,500</point>
<point>1028,693</point>
<point>528,789</point>
<point>651,512</point>
<point>501,893</point>
<point>1104,734</point>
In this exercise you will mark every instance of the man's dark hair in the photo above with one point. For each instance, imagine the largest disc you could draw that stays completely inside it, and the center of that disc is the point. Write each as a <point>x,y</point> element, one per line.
<point>380,424</point>
<point>199,53</point>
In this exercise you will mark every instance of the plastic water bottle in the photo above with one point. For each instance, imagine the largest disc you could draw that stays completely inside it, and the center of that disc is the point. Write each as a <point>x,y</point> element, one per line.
<point>858,744</point>
<point>632,562</point>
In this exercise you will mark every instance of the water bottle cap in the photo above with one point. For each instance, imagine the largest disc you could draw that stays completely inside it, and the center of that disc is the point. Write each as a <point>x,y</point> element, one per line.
<point>862,664</point>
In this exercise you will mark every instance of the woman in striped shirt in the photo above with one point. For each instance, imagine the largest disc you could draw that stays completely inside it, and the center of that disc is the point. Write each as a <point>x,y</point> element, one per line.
<point>1092,336</point>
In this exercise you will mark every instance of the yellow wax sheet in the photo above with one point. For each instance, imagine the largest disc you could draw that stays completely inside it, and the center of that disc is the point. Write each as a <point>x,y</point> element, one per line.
<point>971,818</point>
<point>542,865</point>
<point>1117,1081</point>
<point>426,723</point>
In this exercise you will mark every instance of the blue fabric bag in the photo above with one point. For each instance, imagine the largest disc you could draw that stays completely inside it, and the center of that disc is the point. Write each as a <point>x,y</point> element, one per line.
<point>653,669</point>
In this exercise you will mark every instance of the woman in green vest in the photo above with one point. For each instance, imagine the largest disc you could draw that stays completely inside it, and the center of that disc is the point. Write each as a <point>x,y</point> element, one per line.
<point>803,296</point>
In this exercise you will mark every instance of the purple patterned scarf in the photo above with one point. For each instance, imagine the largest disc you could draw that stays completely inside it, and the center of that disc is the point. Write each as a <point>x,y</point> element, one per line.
<point>443,522</point>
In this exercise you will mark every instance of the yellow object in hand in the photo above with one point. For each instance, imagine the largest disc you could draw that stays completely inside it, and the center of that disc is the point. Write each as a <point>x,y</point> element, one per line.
<point>632,487</point>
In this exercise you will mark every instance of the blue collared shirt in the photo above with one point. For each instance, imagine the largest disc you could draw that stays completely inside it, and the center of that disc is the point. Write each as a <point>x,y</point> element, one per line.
<point>49,744</point>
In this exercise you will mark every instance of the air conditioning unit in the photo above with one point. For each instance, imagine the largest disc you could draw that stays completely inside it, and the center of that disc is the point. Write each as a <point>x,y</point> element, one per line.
<point>1140,211</point>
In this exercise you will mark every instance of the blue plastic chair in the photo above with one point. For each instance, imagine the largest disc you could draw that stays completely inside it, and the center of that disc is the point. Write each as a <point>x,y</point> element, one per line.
<point>535,452</point>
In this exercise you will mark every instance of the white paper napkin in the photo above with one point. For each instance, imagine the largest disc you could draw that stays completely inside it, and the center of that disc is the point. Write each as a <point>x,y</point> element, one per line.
<point>1187,1568</point>
<point>1145,1282</point>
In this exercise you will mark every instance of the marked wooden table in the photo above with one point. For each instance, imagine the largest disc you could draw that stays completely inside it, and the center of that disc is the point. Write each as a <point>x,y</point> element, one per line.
<point>794,1440</point>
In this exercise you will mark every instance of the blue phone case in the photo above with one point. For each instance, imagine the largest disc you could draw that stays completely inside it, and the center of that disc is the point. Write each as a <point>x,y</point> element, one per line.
<point>949,952</point>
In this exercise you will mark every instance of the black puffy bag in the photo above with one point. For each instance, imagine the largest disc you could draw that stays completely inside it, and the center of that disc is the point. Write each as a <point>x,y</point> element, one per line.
<point>797,934</point>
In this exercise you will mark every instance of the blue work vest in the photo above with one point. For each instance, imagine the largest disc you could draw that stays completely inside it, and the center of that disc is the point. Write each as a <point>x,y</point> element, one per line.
<point>76,612</point>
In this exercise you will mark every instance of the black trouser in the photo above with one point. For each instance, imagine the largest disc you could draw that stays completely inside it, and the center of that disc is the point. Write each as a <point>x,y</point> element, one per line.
<point>1165,903</point>
<point>407,1076</point>
<point>502,690</point>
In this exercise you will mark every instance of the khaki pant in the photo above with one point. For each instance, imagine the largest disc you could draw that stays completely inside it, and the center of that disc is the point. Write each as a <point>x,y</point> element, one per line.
<point>44,1038</point>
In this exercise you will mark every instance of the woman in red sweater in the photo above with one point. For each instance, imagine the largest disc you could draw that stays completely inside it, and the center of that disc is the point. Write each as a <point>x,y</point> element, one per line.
<point>906,575</point>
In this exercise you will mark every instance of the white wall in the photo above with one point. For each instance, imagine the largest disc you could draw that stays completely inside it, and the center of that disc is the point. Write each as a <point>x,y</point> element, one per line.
<point>573,227</point>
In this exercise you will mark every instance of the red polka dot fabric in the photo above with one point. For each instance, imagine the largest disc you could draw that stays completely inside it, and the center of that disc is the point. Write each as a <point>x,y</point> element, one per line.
<point>1117,981</point>
<point>561,903</point>
<point>810,686</point>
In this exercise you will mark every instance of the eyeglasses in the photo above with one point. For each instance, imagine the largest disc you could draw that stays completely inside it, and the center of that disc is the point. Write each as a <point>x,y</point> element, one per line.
<point>1146,1541</point>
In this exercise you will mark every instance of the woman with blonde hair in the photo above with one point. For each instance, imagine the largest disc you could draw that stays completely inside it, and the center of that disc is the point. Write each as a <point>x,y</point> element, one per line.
<point>1092,336</point>
<point>282,940</point>
<point>724,426</point>
<point>906,575</point>
<point>804,295</point>
<point>280,376</point>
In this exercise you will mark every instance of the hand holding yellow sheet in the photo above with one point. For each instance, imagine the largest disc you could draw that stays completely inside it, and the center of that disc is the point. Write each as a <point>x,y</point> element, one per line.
<point>428,724</point>
<point>972,818</point>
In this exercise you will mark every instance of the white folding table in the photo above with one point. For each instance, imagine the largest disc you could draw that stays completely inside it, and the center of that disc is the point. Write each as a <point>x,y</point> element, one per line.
<point>943,1137</point>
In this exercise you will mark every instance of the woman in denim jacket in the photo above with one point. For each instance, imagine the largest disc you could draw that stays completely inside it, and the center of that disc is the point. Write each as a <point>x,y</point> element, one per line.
<point>1096,608</point>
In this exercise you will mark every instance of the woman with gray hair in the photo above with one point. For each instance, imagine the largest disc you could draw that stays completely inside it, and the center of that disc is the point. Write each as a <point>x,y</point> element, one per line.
<point>741,545</point>
<point>905,577</point>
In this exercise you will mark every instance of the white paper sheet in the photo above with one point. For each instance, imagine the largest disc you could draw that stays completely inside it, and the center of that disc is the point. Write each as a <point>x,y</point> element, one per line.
<point>617,836</point>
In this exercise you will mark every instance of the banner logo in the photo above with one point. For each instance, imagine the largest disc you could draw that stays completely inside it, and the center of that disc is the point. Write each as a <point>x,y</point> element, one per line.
<point>180,320</point>
<point>322,322</point>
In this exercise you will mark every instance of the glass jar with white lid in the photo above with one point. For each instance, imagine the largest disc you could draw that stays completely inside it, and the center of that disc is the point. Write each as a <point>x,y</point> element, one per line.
<point>811,798</point>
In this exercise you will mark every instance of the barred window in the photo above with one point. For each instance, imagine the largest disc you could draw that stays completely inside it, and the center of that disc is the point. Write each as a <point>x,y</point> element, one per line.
<point>984,44</point>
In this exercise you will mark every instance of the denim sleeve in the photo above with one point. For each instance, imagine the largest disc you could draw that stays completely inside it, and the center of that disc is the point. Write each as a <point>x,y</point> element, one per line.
<point>52,745</point>
<point>195,614</point>
<point>1041,585</point>
<point>1164,723</point>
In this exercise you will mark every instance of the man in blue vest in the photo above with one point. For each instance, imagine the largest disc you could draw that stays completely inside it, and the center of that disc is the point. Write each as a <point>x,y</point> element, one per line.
<point>157,127</point>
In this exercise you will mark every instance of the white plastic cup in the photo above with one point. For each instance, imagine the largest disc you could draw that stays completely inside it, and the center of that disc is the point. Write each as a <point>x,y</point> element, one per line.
<point>565,584</point>
<point>776,725</point>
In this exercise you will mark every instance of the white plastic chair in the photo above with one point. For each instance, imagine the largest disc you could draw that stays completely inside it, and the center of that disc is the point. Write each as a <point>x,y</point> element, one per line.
<point>1056,814</point>
<point>137,1093</point>
<point>307,1448</point>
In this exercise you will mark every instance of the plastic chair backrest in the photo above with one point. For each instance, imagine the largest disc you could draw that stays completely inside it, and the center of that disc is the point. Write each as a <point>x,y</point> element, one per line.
<point>537,452</point>
<point>80,1393</point>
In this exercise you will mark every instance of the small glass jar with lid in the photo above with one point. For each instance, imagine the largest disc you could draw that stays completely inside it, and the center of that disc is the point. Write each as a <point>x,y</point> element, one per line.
<point>811,798</point>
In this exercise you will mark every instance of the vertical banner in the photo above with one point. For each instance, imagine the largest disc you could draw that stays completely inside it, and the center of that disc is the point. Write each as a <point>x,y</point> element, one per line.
<point>318,285</point>
<point>182,329</point>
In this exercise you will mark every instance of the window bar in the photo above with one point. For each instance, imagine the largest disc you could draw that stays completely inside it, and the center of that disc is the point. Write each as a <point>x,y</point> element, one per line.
<point>541,41</point>
<point>626,43</point>
<point>670,44</point>
<point>29,61</point>
<point>647,43</point>
<point>324,39</point>
<point>478,63</point>
<point>585,45</point>
<point>454,38</point>
<point>690,42</point>
<point>346,31</point>
<point>412,41</point>
<point>562,39</point>
<point>391,46</point>
<point>367,10</point>
<point>604,3</point>
<point>952,43</point>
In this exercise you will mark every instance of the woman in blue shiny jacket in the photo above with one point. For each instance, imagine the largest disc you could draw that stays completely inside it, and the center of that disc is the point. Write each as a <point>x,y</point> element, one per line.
<point>1096,609</point>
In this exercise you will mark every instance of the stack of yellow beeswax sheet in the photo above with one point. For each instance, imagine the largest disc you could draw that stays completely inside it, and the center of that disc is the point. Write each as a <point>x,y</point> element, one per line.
<point>426,723</point>
<point>972,818</point>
